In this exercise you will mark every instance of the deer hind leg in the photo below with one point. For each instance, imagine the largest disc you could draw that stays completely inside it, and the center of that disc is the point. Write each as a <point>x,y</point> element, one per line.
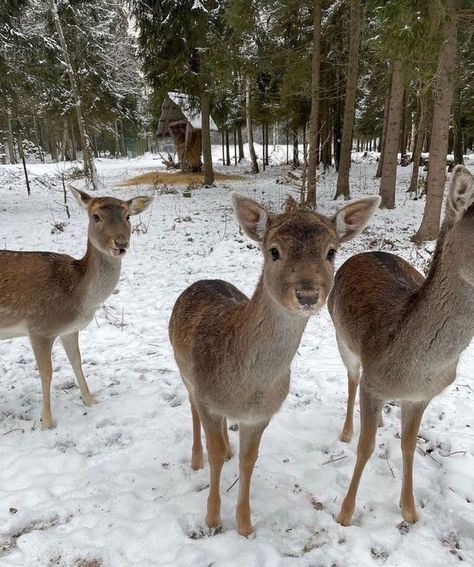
<point>250,436</point>
<point>352,363</point>
<point>71,346</point>
<point>228,449</point>
<point>369,415</point>
<point>196,455</point>
<point>411,419</point>
<point>42,349</point>
<point>216,451</point>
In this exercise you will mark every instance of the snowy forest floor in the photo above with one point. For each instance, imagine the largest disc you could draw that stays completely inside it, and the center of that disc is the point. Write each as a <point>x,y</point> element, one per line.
<point>111,486</point>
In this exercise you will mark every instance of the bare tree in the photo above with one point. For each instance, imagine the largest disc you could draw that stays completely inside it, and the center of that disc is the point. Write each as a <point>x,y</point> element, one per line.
<point>443,100</point>
<point>313,124</point>
<point>392,140</point>
<point>248,115</point>
<point>350,100</point>
<point>418,143</point>
<point>206,139</point>
<point>89,167</point>
<point>378,174</point>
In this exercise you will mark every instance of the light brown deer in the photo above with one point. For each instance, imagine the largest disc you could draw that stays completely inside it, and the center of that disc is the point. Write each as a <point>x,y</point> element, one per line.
<point>405,332</point>
<point>44,295</point>
<point>234,353</point>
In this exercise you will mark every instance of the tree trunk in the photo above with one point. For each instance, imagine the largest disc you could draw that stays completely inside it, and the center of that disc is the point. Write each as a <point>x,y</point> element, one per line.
<point>227,148</point>
<point>222,145</point>
<point>117,139</point>
<point>248,115</point>
<point>392,140</point>
<point>267,163</point>
<point>337,126</point>
<point>350,100</point>
<point>383,135</point>
<point>313,124</point>
<point>206,139</point>
<point>64,140</point>
<point>296,153</point>
<point>264,161</point>
<point>241,143</point>
<point>429,228</point>
<point>326,157</point>
<point>418,145</point>
<point>457,128</point>
<point>89,167</point>
<point>235,146</point>
<point>10,139</point>
<point>73,140</point>
<point>404,127</point>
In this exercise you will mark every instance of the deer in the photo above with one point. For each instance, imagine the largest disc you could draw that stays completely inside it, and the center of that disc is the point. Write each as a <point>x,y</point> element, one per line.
<point>400,335</point>
<point>234,353</point>
<point>44,295</point>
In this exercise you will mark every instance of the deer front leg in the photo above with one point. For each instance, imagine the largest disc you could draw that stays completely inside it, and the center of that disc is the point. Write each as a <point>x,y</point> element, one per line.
<point>42,349</point>
<point>196,454</point>
<point>411,419</point>
<point>71,346</point>
<point>370,408</point>
<point>228,449</point>
<point>216,451</point>
<point>348,428</point>
<point>250,436</point>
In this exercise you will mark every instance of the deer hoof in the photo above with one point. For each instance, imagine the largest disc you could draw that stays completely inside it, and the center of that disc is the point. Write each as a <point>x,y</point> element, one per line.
<point>245,529</point>
<point>410,515</point>
<point>47,424</point>
<point>89,400</point>
<point>345,436</point>
<point>196,462</point>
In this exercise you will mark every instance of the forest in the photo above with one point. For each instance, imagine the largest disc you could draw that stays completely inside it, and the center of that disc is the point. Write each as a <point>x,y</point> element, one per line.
<point>179,135</point>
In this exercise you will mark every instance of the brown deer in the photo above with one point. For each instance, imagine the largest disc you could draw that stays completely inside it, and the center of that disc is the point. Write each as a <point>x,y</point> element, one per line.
<point>405,332</point>
<point>45,295</point>
<point>234,353</point>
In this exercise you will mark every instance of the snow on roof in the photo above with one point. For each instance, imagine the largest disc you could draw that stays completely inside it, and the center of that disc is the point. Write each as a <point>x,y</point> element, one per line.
<point>192,115</point>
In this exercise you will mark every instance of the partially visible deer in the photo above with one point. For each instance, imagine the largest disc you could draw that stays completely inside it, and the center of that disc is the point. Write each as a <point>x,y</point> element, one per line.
<point>234,353</point>
<point>405,332</point>
<point>44,295</point>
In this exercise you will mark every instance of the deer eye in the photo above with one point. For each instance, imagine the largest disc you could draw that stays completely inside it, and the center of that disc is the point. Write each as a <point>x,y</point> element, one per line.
<point>331,254</point>
<point>127,217</point>
<point>275,254</point>
<point>96,218</point>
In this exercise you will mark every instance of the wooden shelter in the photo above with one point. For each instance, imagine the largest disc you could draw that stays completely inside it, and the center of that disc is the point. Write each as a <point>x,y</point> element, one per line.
<point>180,120</point>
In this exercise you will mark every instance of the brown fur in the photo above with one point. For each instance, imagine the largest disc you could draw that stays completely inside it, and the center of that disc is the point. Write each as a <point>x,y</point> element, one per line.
<point>234,353</point>
<point>405,332</point>
<point>45,295</point>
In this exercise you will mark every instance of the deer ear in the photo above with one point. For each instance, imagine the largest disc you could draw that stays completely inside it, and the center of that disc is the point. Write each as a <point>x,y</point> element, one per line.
<point>252,217</point>
<point>81,197</point>
<point>138,204</point>
<point>461,191</point>
<point>353,218</point>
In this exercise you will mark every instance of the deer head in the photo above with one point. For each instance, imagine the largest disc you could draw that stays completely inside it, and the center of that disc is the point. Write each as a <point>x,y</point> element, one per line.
<point>299,248</point>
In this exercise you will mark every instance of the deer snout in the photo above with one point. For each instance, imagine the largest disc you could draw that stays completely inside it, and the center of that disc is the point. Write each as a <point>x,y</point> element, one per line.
<point>120,247</point>
<point>307,295</point>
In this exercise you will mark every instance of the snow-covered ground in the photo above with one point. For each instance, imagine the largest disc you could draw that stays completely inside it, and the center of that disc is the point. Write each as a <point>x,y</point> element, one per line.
<point>112,486</point>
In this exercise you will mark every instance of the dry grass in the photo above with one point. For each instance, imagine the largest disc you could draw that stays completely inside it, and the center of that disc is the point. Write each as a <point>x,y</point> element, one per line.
<point>179,178</point>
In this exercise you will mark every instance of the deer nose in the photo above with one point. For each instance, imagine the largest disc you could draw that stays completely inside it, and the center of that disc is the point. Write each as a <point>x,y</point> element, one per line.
<point>121,244</point>
<point>307,297</point>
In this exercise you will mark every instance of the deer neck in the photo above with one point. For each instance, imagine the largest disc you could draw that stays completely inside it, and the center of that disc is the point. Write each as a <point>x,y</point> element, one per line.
<point>270,334</point>
<point>101,273</point>
<point>441,324</point>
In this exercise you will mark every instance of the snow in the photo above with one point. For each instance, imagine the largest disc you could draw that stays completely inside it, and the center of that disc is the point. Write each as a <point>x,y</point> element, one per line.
<point>193,116</point>
<point>113,483</point>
